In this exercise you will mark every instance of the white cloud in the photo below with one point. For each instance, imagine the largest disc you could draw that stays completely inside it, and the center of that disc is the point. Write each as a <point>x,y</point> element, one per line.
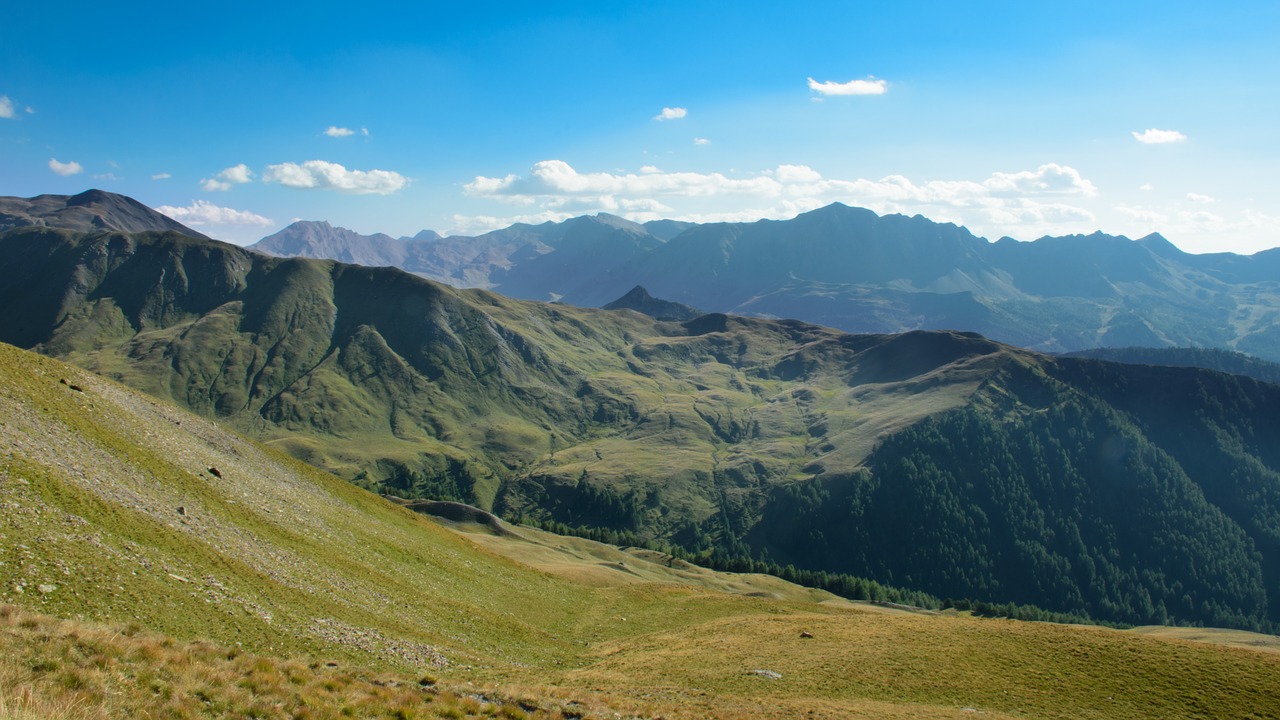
<point>870,86</point>
<point>161,176</point>
<point>320,174</point>
<point>6,108</point>
<point>701,141</point>
<point>1146,187</point>
<point>1152,136</point>
<point>234,175</point>
<point>671,113</point>
<point>552,179</point>
<point>1198,198</point>
<point>65,169</point>
<point>30,110</point>
<point>110,177</point>
<point>1050,178</point>
<point>203,212</point>
<point>1026,203</point>
<point>335,131</point>
<point>796,174</point>
<point>364,131</point>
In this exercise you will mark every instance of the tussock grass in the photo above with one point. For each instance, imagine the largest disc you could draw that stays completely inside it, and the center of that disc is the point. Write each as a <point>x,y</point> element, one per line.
<point>65,670</point>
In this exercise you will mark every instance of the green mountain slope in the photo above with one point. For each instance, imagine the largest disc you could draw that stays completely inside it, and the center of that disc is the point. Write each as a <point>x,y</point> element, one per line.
<point>90,211</point>
<point>1208,358</point>
<point>290,592</point>
<point>938,461</point>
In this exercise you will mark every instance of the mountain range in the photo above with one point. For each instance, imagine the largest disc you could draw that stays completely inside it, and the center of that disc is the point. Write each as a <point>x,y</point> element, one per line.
<point>853,270</point>
<point>153,563</point>
<point>940,461</point>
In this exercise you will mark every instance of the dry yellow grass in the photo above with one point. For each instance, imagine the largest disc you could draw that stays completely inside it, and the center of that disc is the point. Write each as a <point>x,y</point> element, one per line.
<point>66,670</point>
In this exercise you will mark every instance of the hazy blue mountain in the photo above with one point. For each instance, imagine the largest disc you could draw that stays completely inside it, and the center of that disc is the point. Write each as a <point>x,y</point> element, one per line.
<point>90,211</point>
<point>851,269</point>
<point>312,239</point>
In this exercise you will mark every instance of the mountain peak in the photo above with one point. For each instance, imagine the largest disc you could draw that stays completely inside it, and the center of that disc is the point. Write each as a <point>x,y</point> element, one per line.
<point>93,210</point>
<point>639,299</point>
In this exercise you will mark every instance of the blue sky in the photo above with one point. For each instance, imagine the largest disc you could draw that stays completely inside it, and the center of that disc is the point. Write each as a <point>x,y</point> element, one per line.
<point>1017,119</point>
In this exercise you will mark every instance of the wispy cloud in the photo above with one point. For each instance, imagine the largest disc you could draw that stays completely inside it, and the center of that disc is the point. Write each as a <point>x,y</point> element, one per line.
<point>337,132</point>
<point>671,113</point>
<point>65,168</point>
<point>161,176</point>
<point>1198,198</point>
<point>234,175</point>
<point>701,141</point>
<point>6,108</point>
<point>203,212</point>
<point>870,86</point>
<point>1153,136</point>
<point>323,175</point>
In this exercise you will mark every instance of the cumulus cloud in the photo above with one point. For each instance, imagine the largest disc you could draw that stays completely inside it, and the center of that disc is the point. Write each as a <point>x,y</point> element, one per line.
<point>234,175</point>
<point>161,176</point>
<point>1198,198</point>
<point>701,141</point>
<point>1152,136</point>
<point>870,86</point>
<point>65,169</point>
<point>1027,202</point>
<point>671,113</point>
<point>203,212</point>
<point>323,175</point>
<point>6,108</point>
<point>336,132</point>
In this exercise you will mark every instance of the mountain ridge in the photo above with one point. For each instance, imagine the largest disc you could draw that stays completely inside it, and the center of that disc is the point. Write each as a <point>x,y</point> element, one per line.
<point>90,211</point>
<point>854,270</point>
<point>738,436</point>
<point>280,589</point>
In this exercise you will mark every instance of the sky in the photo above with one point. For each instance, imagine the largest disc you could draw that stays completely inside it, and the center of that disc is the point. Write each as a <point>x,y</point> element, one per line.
<point>1012,119</point>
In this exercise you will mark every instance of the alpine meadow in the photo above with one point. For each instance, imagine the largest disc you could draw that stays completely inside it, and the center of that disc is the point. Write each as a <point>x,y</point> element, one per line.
<point>640,361</point>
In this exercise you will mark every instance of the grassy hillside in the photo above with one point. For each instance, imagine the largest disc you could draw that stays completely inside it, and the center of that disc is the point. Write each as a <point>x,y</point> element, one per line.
<point>939,461</point>
<point>283,592</point>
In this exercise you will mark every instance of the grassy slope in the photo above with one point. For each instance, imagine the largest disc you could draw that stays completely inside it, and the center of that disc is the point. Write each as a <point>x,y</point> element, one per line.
<point>681,431</point>
<point>287,561</point>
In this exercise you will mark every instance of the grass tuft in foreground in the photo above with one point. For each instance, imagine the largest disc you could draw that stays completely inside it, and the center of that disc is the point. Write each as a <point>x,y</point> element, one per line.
<point>67,670</point>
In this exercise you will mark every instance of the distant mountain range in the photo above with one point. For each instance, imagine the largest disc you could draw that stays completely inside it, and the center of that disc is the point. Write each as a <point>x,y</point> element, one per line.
<point>938,461</point>
<point>850,269</point>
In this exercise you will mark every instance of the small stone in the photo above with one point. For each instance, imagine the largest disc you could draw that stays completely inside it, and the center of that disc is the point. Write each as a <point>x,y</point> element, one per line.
<point>182,510</point>
<point>806,634</point>
<point>46,589</point>
<point>768,674</point>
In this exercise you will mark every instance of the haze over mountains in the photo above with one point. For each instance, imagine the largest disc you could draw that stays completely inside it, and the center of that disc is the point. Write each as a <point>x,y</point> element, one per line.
<point>850,269</point>
<point>939,461</point>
